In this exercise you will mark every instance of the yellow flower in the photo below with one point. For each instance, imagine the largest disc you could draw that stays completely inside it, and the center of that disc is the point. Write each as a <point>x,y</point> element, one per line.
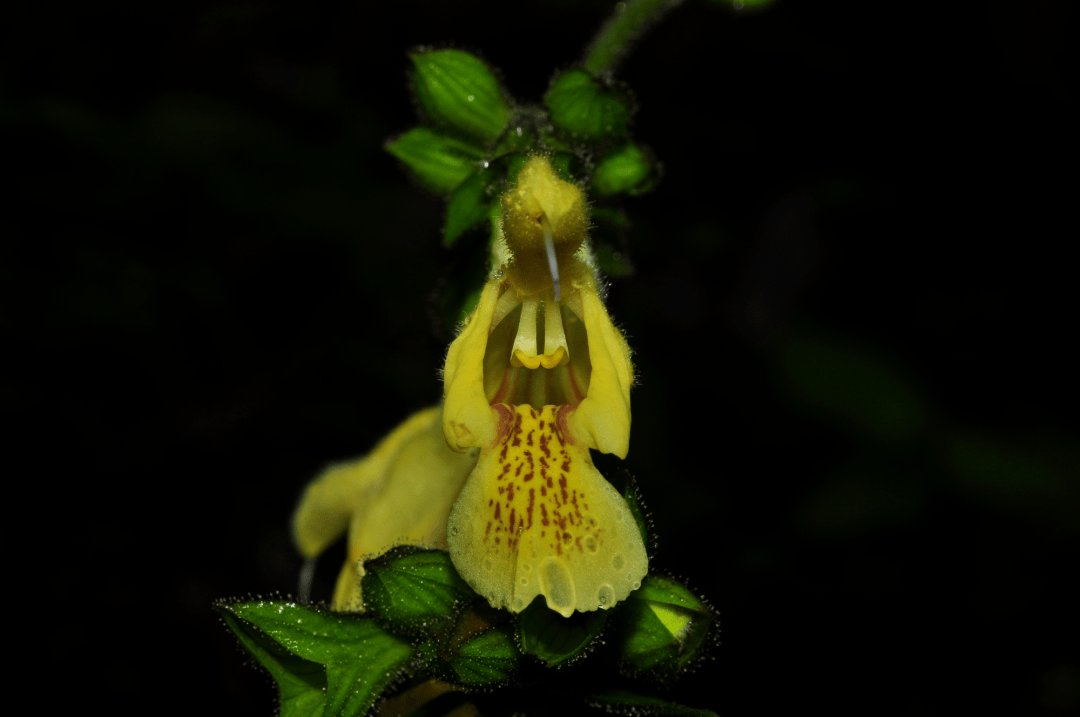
<point>399,494</point>
<point>538,376</point>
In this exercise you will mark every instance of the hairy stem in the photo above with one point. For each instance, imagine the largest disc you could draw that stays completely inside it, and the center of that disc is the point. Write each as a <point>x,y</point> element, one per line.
<point>630,21</point>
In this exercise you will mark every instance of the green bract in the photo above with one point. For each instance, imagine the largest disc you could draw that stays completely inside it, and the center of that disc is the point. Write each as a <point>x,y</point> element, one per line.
<point>585,110</point>
<point>489,658</point>
<point>457,90</point>
<point>414,590</point>
<point>556,639</point>
<point>439,162</point>
<point>661,628</point>
<point>623,169</point>
<point>470,203</point>
<point>359,657</point>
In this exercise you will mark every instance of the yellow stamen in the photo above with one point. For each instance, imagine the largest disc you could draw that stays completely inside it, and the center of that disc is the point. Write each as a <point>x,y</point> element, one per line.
<point>553,360</point>
<point>524,351</point>
<point>521,359</point>
<point>556,350</point>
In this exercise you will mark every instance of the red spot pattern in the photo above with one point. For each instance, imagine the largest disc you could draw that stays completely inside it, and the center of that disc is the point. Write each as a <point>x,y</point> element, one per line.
<point>516,465</point>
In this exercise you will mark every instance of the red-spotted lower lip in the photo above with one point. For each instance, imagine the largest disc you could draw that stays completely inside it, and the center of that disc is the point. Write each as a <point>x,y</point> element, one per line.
<point>509,420</point>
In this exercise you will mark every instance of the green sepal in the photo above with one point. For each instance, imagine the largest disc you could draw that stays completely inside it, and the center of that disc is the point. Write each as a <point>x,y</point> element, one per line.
<point>413,590</point>
<point>361,658</point>
<point>490,658</point>
<point>470,203</point>
<point>661,628</point>
<point>556,639</point>
<point>438,162</point>
<point>457,90</point>
<point>628,703</point>
<point>478,651</point>
<point>625,168</point>
<point>585,110</point>
<point>301,683</point>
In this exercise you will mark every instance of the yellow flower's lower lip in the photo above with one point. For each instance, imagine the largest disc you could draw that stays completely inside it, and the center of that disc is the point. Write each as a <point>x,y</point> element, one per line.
<point>537,518</point>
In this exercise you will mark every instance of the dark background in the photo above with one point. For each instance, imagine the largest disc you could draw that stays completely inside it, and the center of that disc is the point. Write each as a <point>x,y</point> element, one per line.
<point>855,425</point>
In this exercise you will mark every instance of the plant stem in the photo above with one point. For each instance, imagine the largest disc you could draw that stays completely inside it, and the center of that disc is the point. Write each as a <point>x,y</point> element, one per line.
<point>629,22</point>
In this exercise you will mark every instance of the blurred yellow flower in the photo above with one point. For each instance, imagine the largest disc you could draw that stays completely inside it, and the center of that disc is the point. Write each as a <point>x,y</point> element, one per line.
<point>399,494</point>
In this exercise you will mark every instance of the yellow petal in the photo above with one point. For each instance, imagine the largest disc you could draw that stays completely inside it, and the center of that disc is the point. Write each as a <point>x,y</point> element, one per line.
<point>537,518</point>
<point>602,420</point>
<point>400,494</point>
<point>467,417</point>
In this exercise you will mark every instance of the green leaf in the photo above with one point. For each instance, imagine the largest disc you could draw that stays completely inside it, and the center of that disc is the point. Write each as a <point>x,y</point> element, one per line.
<point>661,628</point>
<point>623,169</point>
<point>438,162</point>
<point>470,203</point>
<point>361,658</point>
<point>487,659</point>
<point>629,703</point>
<point>457,90</point>
<point>413,589</point>
<point>301,683</point>
<point>556,639</point>
<point>585,110</point>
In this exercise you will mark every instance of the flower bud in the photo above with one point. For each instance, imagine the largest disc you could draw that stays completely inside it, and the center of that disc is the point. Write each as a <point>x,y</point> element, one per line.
<point>458,90</point>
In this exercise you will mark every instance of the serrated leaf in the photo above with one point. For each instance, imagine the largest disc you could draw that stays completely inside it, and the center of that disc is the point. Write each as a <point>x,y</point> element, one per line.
<point>556,639</point>
<point>411,588</point>
<point>361,658</point>
<point>457,90</point>
<point>487,659</point>
<point>438,162</point>
<point>470,203</point>
<point>624,169</point>
<point>629,703</point>
<point>585,110</point>
<point>301,683</point>
<point>661,627</point>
